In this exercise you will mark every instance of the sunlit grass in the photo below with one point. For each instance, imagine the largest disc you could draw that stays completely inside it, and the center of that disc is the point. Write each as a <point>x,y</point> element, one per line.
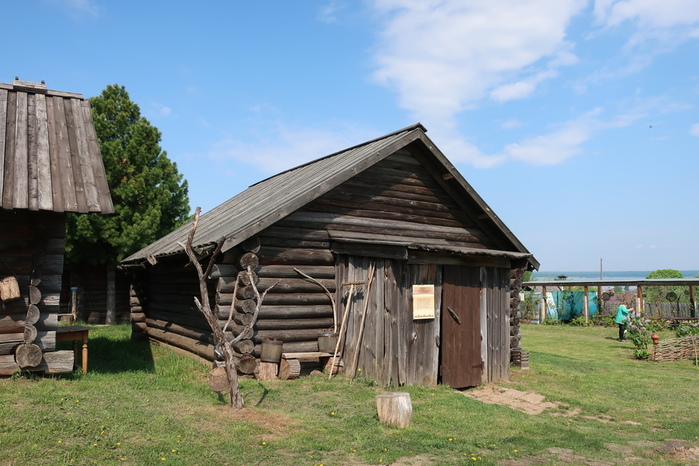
<point>142,404</point>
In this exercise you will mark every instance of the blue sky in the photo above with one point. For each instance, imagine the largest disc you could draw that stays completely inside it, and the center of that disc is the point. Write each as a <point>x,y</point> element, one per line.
<point>575,120</point>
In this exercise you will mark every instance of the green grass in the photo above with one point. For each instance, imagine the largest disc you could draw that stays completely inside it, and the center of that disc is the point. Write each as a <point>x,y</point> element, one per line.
<point>144,405</point>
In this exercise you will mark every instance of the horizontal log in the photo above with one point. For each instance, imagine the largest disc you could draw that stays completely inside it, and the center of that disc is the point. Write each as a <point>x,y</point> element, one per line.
<point>54,362</point>
<point>274,255</point>
<point>296,299</point>
<point>280,230</point>
<point>291,312</point>
<point>138,316</point>
<point>288,324</point>
<point>289,335</point>
<point>199,348</point>
<point>190,321</point>
<point>194,334</point>
<point>292,347</point>
<point>279,285</point>
<point>175,308</point>
<point>12,323</point>
<point>288,271</point>
<point>242,305</point>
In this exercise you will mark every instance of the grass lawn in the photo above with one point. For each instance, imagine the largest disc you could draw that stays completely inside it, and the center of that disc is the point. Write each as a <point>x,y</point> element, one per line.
<point>144,405</point>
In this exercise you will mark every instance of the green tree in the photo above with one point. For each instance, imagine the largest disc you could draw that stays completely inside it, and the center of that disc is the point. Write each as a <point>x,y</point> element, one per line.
<point>149,194</point>
<point>660,294</point>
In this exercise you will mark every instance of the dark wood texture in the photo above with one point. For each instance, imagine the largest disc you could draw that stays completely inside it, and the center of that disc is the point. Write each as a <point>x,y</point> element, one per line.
<point>461,364</point>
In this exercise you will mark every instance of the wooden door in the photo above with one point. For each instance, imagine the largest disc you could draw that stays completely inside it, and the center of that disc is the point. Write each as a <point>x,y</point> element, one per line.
<point>461,362</point>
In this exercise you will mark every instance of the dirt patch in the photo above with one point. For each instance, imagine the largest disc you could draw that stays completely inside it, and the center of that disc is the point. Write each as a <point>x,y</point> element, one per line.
<point>527,402</point>
<point>276,425</point>
<point>680,451</point>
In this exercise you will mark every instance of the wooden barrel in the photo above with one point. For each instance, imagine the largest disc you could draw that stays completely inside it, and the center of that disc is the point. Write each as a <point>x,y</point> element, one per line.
<point>327,342</point>
<point>271,351</point>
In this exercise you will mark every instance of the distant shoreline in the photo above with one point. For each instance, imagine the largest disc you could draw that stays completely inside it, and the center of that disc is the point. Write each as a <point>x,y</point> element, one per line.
<point>623,275</point>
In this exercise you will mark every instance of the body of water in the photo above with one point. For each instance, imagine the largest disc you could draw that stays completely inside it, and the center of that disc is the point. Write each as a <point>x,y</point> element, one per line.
<point>626,275</point>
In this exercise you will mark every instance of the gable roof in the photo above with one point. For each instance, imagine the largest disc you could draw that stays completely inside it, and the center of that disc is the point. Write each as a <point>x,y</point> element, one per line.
<point>272,199</point>
<point>49,154</point>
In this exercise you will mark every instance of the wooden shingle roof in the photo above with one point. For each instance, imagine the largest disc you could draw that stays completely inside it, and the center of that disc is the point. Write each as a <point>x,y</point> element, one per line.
<point>49,154</point>
<point>272,199</point>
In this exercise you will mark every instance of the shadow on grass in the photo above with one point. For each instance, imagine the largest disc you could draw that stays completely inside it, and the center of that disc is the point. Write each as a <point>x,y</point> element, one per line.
<point>109,356</point>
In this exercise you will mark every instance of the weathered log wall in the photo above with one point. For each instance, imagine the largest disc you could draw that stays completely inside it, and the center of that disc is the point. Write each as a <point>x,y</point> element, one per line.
<point>380,216</point>
<point>32,245</point>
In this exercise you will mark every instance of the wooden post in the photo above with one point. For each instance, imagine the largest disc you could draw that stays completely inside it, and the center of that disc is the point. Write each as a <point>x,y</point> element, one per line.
<point>586,302</point>
<point>543,305</point>
<point>110,318</point>
<point>639,300</point>
<point>394,409</point>
<point>692,303</point>
<point>599,300</point>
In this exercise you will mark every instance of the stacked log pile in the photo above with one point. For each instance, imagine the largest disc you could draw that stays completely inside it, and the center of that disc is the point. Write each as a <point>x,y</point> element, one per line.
<point>676,349</point>
<point>29,315</point>
<point>516,279</point>
<point>296,311</point>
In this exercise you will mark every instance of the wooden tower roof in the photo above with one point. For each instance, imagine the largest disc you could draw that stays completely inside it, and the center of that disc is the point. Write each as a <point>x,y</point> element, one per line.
<point>49,154</point>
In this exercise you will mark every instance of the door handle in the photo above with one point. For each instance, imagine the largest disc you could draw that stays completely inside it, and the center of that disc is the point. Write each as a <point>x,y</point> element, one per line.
<point>453,315</point>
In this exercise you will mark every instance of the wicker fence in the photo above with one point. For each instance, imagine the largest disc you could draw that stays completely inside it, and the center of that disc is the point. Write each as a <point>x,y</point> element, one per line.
<point>675,349</point>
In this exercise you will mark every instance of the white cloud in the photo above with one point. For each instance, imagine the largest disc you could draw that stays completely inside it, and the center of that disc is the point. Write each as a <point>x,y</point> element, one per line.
<point>328,12</point>
<point>552,148</point>
<point>651,14</point>
<point>521,89</point>
<point>80,7</point>
<point>509,124</point>
<point>443,56</point>
<point>694,129</point>
<point>291,147</point>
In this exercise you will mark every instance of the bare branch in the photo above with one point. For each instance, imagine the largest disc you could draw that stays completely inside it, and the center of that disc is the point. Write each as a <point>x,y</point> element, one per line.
<point>327,292</point>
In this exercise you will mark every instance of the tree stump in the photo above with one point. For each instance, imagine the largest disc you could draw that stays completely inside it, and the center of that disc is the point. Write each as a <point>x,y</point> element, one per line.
<point>395,409</point>
<point>267,371</point>
<point>331,369</point>
<point>289,369</point>
<point>28,355</point>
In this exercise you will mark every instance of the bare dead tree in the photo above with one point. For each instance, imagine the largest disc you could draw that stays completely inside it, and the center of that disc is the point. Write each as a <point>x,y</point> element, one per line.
<point>204,306</point>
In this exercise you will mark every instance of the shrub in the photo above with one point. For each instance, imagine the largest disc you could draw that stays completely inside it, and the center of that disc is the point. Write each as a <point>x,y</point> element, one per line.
<point>639,333</point>
<point>685,329</point>
<point>641,354</point>
<point>580,321</point>
<point>603,321</point>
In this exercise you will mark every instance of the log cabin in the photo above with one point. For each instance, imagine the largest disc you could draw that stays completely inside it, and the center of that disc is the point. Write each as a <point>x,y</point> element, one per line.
<point>383,246</point>
<point>50,164</point>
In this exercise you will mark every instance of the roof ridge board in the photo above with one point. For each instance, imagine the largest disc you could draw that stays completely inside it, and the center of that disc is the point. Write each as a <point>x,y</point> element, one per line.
<point>394,133</point>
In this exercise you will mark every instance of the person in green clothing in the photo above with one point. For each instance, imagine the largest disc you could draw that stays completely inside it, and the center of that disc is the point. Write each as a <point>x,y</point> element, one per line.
<point>622,316</point>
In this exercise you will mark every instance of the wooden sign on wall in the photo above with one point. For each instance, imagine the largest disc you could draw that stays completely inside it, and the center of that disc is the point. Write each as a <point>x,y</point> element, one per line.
<point>423,302</point>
